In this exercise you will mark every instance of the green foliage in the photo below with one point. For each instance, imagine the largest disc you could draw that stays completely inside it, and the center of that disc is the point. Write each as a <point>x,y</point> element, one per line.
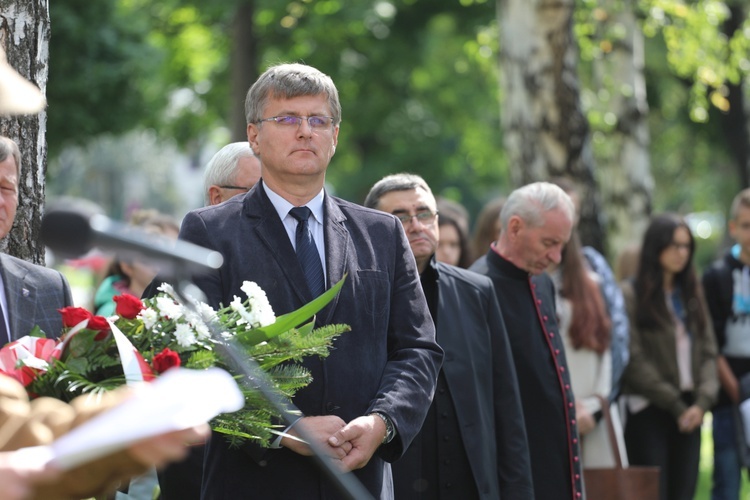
<point>418,86</point>
<point>699,50</point>
<point>418,81</point>
<point>98,55</point>
<point>65,381</point>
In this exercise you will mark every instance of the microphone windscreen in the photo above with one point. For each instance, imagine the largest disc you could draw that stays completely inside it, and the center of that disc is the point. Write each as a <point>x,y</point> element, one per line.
<point>67,232</point>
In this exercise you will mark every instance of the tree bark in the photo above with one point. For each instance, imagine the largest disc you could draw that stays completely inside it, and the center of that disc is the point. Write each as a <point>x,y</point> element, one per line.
<point>736,121</point>
<point>24,34</point>
<point>244,62</point>
<point>545,131</point>
<point>624,165</point>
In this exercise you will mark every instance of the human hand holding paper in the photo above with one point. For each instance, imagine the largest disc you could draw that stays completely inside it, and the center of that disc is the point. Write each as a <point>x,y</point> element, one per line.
<point>179,399</point>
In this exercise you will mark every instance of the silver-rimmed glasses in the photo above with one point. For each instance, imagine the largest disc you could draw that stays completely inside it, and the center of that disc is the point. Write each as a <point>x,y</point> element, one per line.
<point>315,122</point>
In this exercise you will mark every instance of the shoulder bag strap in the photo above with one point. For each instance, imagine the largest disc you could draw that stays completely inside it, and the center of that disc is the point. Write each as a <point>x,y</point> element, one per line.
<point>607,418</point>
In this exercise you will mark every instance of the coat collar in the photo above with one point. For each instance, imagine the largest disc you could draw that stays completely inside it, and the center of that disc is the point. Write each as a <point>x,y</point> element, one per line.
<point>20,296</point>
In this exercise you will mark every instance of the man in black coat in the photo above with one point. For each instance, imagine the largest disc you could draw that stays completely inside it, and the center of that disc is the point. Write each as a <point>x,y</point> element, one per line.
<point>473,442</point>
<point>368,399</point>
<point>536,221</point>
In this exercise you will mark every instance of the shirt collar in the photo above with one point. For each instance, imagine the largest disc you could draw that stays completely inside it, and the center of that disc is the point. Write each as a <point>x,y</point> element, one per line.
<point>283,207</point>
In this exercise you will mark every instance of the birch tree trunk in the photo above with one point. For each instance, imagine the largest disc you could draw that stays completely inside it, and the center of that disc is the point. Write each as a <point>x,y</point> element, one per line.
<point>623,163</point>
<point>546,133</point>
<point>24,35</point>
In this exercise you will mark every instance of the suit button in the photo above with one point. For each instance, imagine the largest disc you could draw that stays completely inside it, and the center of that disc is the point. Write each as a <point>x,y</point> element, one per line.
<point>330,407</point>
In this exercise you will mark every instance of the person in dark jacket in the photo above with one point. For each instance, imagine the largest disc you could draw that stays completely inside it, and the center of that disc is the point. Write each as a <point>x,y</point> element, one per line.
<point>473,443</point>
<point>671,379</point>
<point>537,220</point>
<point>369,397</point>
<point>727,287</point>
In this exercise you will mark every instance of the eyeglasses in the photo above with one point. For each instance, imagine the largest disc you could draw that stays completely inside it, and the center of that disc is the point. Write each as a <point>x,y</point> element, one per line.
<point>315,122</point>
<point>425,217</point>
<point>238,188</point>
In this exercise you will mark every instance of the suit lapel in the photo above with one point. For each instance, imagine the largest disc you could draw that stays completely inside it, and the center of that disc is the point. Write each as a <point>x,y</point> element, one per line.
<point>20,296</point>
<point>272,234</point>
<point>337,250</point>
<point>448,337</point>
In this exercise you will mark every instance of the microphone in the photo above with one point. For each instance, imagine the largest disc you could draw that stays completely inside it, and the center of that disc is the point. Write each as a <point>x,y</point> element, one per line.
<point>73,232</point>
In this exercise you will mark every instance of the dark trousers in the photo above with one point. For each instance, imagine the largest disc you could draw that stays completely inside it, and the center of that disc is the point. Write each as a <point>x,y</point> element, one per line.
<point>653,438</point>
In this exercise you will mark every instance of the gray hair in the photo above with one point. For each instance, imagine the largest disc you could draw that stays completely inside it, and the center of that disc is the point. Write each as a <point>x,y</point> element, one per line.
<point>531,201</point>
<point>8,147</point>
<point>222,167</point>
<point>395,182</point>
<point>287,81</point>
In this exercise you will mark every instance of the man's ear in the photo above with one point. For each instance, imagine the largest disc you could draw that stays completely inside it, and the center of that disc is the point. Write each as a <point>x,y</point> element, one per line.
<point>214,195</point>
<point>515,225</point>
<point>252,137</point>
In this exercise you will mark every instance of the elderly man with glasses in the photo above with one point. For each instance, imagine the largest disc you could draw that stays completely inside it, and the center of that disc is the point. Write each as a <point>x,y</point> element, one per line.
<point>473,442</point>
<point>233,170</point>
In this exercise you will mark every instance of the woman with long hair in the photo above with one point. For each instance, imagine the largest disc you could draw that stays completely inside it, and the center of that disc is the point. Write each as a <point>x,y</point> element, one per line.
<point>585,327</point>
<point>671,380</point>
<point>453,247</point>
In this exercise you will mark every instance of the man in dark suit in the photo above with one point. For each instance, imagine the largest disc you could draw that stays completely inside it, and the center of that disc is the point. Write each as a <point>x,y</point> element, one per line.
<point>32,294</point>
<point>369,398</point>
<point>536,223</point>
<point>473,442</point>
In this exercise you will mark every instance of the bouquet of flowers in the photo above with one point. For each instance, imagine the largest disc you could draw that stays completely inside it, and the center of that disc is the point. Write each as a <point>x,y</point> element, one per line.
<point>146,338</point>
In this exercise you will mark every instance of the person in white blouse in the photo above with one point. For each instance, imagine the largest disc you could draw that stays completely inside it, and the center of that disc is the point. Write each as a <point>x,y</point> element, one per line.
<point>585,327</point>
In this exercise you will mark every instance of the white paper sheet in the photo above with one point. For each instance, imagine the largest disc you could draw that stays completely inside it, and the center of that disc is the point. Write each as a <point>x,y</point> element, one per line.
<point>179,399</point>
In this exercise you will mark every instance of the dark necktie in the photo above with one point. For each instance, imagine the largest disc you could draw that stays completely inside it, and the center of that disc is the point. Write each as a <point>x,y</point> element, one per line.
<point>307,252</point>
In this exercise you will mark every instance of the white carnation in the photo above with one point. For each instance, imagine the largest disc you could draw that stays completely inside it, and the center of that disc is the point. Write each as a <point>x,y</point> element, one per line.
<point>184,335</point>
<point>207,312</point>
<point>201,330</point>
<point>245,315</point>
<point>168,308</point>
<point>149,317</point>
<point>167,288</point>
<point>260,308</point>
<point>252,289</point>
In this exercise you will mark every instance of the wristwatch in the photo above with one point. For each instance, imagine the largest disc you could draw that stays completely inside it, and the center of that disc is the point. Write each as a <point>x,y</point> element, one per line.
<point>390,430</point>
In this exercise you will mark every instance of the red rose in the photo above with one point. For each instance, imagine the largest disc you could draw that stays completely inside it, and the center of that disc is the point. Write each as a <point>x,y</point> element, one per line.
<point>71,316</point>
<point>99,323</point>
<point>128,306</point>
<point>165,360</point>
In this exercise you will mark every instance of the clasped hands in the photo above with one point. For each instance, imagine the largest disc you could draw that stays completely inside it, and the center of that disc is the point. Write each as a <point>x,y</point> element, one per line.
<point>350,445</point>
<point>690,419</point>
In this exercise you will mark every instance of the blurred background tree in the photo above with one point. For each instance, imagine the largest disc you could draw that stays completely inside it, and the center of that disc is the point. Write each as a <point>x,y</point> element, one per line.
<point>420,89</point>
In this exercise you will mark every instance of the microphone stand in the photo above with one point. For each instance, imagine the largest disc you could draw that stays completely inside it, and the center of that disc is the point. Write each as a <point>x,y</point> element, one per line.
<point>255,378</point>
